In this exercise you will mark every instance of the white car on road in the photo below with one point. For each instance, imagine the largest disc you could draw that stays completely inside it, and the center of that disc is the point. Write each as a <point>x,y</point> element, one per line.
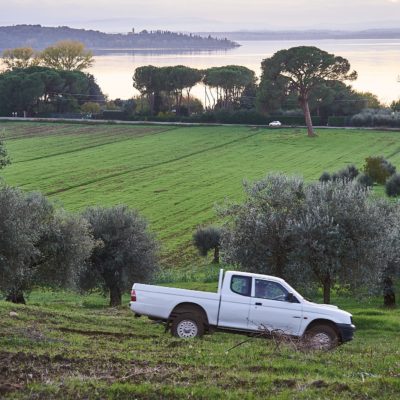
<point>275,123</point>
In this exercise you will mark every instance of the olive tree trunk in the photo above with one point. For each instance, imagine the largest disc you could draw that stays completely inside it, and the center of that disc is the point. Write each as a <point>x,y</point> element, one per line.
<point>327,290</point>
<point>389,298</point>
<point>216,255</point>
<point>16,296</point>
<point>115,296</point>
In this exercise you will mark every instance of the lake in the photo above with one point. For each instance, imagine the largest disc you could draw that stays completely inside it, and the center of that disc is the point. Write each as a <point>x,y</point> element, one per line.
<point>377,62</point>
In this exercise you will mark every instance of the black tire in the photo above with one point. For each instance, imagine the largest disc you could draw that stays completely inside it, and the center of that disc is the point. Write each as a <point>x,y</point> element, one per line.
<point>187,326</point>
<point>321,337</point>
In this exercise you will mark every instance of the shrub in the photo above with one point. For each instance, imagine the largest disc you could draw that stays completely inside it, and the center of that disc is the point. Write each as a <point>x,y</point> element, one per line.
<point>372,117</point>
<point>325,177</point>
<point>379,169</point>
<point>393,186</point>
<point>365,180</point>
<point>349,173</point>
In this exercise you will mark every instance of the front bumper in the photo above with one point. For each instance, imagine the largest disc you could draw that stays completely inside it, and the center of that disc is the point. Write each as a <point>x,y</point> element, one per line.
<point>346,331</point>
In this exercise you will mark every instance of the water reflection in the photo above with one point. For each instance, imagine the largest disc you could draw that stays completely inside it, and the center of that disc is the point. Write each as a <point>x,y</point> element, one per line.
<point>376,61</point>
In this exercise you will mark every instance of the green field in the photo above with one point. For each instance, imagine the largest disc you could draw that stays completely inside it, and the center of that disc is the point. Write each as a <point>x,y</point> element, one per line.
<point>64,346</point>
<point>173,175</point>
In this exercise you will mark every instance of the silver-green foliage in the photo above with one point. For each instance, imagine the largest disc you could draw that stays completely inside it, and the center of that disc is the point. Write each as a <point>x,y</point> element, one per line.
<point>321,233</point>
<point>38,245</point>
<point>125,251</point>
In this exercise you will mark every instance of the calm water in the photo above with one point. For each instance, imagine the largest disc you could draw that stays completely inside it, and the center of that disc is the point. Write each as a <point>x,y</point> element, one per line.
<point>376,61</point>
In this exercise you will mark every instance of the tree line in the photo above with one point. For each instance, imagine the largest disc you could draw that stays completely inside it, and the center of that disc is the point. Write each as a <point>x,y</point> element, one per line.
<point>51,81</point>
<point>42,36</point>
<point>302,80</point>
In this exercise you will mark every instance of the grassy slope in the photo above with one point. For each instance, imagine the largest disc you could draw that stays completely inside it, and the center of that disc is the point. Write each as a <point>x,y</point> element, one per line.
<point>71,347</point>
<point>173,175</point>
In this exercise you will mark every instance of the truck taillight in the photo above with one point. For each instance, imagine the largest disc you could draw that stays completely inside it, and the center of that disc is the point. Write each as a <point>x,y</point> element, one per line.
<point>133,295</point>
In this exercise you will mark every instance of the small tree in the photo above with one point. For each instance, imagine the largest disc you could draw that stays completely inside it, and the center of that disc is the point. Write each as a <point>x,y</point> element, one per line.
<point>392,186</point>
<point>4,158</point>
<point>365,180</point>
<point>67,55</point>
<point>91,107</point>
<point>379,169</point>
<point>21,57</point>
<point>126,252</point>
<point>206,239</point>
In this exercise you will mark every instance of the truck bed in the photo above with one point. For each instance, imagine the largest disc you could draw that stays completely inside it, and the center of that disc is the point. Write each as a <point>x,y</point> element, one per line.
<point>159,301</point>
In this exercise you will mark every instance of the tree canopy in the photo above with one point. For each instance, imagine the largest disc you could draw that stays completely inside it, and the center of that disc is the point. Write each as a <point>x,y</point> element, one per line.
<point>127,251</point>
<point>41,89</point>
<point>229,82</point>
<point>67,55</point>
<point>38,245</point>
<point>20,57</point>
<point>300,70</point>
<point>321,233</point>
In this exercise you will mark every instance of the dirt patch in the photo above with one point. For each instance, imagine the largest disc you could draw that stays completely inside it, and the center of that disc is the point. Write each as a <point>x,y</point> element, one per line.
<point>285,383</point>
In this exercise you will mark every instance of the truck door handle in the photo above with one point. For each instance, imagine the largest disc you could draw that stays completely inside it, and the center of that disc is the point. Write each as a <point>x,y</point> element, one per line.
<point>258,304</point>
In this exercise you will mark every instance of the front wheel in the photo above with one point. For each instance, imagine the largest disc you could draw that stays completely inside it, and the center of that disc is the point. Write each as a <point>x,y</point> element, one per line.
<point>321,337</point>
<point>187,326</point>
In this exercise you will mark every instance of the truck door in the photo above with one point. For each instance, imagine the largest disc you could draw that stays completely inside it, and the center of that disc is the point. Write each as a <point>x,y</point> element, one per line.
<point>271,310</point>
<point>235,303</point>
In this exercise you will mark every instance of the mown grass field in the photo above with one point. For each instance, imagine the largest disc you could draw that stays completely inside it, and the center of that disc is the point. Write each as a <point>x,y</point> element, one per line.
<point>64,346</point>
<point>173,175</point>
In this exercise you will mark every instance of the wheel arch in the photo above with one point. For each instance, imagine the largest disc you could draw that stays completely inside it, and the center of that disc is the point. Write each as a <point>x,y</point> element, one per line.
<point>188,307</point>
<point>322,321</point>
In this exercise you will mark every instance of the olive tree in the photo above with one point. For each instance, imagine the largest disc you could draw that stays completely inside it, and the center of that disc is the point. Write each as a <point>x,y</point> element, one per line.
<point>126,251</point>
<point>302,69</point>
<point>258,234</point>
<point>38,245</point>
<point>339,236</point>
<point>206,239</point>
<point>323,233</point>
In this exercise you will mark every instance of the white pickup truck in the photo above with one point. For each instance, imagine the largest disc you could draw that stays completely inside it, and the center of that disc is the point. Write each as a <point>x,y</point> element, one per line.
<point>245,303</point>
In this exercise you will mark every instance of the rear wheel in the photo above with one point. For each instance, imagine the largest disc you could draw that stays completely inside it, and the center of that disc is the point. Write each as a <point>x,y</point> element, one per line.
<point>187,326</point>
<point>321,337</point>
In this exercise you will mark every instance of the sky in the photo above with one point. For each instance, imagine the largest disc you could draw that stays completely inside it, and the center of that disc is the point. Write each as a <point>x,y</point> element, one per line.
<point>203,15</point>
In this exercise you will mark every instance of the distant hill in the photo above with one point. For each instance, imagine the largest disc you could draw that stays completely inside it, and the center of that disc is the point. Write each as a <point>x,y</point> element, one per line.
<point>308,35</point>
<point>38,37</point>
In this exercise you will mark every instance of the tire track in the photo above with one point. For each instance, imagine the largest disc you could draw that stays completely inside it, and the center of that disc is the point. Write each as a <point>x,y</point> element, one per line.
<point>195,153</point>
<point>94,146</point>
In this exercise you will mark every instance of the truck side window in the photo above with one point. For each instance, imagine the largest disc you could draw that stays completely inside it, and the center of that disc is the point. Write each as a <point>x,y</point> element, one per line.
<point>270,290</point>
<point>241,285</point>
